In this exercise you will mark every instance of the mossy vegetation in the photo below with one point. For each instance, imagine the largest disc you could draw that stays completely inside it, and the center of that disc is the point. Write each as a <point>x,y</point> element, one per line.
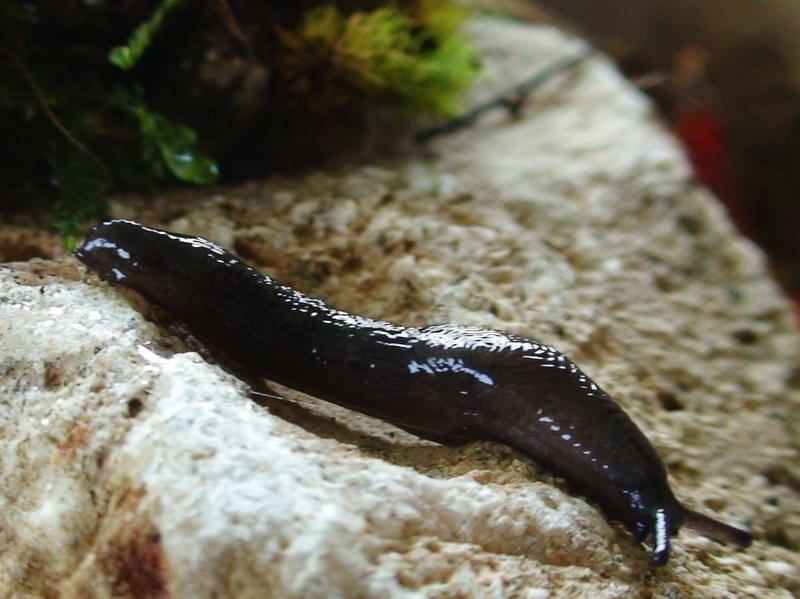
<point>101,96</point>
<point>383,52</point>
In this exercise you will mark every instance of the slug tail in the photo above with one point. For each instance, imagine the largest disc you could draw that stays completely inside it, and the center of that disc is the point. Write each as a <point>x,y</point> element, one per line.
<point>713,529</point>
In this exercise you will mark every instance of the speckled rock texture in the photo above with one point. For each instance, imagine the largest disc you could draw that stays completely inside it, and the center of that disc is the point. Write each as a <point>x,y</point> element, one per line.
<point>133,465</point>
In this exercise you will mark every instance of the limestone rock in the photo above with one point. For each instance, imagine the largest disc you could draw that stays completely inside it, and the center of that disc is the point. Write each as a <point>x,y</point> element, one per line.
<point>134,466</point>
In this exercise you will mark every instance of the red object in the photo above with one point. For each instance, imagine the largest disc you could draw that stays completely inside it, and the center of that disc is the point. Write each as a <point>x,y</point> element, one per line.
<point>703,135</point>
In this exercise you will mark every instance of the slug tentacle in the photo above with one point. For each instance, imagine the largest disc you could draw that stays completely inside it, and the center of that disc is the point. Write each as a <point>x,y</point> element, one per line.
<point>449,383</point>
<point>713,529</point>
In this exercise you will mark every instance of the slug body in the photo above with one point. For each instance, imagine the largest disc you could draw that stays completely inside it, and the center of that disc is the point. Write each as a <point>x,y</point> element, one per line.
<point>446,382</point>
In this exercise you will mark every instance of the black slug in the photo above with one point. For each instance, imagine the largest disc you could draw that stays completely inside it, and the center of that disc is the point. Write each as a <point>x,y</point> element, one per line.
<point>447,382</point>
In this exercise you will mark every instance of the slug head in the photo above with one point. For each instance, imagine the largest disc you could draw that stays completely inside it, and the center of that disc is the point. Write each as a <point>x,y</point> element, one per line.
<point>659,516</point>
<point>656,516</point>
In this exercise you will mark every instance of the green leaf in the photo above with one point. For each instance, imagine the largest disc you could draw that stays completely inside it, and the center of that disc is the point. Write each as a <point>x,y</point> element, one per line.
<point>126,57</point>
<point>174,143</point>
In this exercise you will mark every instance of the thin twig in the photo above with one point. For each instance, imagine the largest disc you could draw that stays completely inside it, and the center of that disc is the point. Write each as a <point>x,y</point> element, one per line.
<point>512,100</point>
<point>37,91</point>
<point>228,18</point>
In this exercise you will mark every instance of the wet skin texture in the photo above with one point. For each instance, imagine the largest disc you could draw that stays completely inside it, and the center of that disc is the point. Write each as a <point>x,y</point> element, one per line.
<point>448,383</point>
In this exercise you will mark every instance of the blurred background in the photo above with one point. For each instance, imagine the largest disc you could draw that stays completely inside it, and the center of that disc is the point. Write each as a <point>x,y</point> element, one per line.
<point>725,77</point>
<point>99,97</point>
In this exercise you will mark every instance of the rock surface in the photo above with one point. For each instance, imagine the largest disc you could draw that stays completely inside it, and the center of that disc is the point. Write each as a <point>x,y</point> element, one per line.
<point>135,467</point>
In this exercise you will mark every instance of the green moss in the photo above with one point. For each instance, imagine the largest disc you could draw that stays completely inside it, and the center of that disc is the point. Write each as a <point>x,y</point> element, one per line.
<point>414,54</point>
<point>442,19</point>
<point>81,119</point>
